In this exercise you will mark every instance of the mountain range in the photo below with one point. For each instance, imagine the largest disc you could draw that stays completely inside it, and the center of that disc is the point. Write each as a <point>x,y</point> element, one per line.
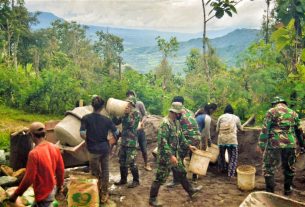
<point>141,51</point>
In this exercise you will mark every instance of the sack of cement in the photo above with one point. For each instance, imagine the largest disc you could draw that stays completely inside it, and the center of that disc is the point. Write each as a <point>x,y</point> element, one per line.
<point>7,181</point>
<point>19,173</point>
<point>265,199</point>
<point>3,195</point>
<point>83,191</point>
<point>6,170</point>
<point>27,199</point>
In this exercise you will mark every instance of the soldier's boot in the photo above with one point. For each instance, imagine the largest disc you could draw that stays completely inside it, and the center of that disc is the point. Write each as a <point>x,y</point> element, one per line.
<point>270,184</point>
<point>189,188</point>
<point>135,173</point>
<point>124,174</point>
<point>154,190</point>
<point>287,185</point>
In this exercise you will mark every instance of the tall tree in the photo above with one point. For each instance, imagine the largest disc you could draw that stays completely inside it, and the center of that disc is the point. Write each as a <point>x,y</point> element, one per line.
<point>168,49</point>
<point>110,47</point>
<point>15,21</point>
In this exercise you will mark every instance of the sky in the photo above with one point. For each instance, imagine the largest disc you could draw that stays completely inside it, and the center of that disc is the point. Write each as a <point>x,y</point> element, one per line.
<point>163,15</point>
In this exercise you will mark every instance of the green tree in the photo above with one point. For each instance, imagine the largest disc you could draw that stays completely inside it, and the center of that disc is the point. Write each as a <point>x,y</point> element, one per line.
<point>168,49</point>
<point>110,47</point>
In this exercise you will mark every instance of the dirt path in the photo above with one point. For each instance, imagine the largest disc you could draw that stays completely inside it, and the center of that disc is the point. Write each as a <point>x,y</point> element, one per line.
<point>217,190</point>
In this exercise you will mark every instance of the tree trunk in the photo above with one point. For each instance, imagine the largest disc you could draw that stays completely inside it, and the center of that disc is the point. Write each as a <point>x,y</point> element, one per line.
<point>9,37</point>
<point>267,22</point>
<point>120,68</point>
<point>204,28</point>
<point>204,51</point>
<point>16,51</point>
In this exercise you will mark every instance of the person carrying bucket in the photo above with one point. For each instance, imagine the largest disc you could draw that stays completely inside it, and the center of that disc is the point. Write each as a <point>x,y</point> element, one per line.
<point>190,131</point>
<point>226,127</point>
<point>94,129</point>
<point>278,140</point>
<point>140,130</point>
<point>129,142</point>
<point>170,143</point>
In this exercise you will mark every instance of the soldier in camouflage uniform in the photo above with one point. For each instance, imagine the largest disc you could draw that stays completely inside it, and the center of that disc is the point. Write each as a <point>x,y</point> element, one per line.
<point>170,143</point>
<point>128,150</point>
<point>190,131</point>
<point>280,135</point>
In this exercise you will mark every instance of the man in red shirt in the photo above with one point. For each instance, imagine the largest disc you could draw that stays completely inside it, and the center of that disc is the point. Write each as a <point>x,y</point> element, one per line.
<point>44,170</point>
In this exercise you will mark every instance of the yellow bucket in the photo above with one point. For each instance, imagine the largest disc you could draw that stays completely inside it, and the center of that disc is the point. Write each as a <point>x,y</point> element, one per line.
<point>200,162</point>
<point>214,150</point>
<point>246,177</point>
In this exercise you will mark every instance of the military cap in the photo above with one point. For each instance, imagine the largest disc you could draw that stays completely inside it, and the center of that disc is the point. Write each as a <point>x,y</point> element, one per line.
<point>132,100</point>
<point>176,107</point>
<point>278,99</point>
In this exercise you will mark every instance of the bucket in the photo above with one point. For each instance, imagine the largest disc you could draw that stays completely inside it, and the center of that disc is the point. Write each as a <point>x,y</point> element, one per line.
<point>186,163</point>
<point>67,130</point>
<point>116,107</point>
<point>200,162</point>
<point>246,177</point>
<point>214,150</point>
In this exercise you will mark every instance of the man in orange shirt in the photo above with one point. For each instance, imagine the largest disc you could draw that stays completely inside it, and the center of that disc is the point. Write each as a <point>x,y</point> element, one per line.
<point>44,170</point>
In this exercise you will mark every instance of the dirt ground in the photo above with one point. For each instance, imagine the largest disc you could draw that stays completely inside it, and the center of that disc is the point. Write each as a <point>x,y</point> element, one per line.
<point>217,190</point>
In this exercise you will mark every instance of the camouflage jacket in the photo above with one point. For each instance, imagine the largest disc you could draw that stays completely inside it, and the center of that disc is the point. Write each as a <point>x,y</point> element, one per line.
<point>279,128</point>
<point>170,141</point>
<point>189,127</point>
<point>129,132</point>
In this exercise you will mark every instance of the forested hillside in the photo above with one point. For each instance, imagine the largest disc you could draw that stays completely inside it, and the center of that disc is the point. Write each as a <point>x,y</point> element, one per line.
<point>142,53</point>
<point>48,70</point>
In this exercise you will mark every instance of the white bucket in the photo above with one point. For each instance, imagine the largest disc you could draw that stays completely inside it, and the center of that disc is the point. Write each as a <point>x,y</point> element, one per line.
<point>67,130</point>
<point>116,107</point>
<point>186,163</point>
<point>214,150</point>
<point>200,162</point>
<point>246,177</point>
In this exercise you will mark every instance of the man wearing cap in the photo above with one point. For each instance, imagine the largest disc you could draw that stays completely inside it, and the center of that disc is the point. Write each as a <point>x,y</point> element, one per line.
<point>190,131</point>
<point>44,169</point>
<point>278,140</point>
<point>170,143</point>
<point>129,142</point>
<point>141,134</point>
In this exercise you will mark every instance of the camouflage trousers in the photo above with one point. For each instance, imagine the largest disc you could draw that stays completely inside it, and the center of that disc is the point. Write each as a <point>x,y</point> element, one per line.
<point>273,158</point>
<point>127,156</point>
<point>163,171</point>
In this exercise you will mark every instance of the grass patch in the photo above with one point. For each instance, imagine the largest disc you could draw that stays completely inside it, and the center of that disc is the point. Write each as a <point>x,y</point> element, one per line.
<point>12,120</point>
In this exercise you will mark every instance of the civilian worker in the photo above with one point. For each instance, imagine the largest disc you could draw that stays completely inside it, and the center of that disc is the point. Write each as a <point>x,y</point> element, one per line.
<point>227,126</point>
<point>94,129</point>
<point>44,169</point>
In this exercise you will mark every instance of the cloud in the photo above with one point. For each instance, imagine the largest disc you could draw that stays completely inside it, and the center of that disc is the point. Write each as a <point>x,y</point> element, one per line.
<point>166,15</point>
